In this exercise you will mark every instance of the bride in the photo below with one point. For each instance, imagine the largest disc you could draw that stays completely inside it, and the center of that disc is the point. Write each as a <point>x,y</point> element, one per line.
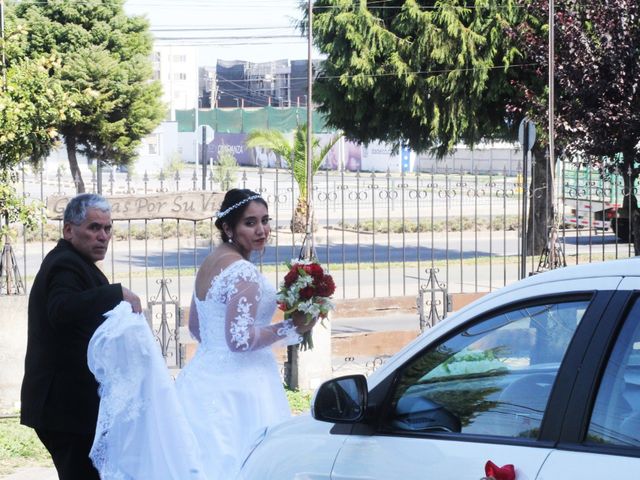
<point>228,393</point>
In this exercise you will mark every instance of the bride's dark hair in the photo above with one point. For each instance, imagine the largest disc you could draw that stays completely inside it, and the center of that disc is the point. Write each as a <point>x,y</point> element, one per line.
<point>233,206</point>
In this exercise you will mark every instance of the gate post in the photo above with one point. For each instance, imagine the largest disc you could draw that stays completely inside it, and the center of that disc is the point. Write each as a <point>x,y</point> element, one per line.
<point>431,308</point>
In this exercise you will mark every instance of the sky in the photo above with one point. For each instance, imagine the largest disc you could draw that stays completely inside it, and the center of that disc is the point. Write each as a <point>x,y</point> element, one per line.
<point>251,30</point>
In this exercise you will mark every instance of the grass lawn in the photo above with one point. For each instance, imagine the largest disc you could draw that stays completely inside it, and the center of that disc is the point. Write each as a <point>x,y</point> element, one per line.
<point>20,447</point>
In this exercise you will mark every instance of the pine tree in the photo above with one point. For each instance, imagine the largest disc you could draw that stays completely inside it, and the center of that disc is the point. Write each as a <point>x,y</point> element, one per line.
<point>427,74</point>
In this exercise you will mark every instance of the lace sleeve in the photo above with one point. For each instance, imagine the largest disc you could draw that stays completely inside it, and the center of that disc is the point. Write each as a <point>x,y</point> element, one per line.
<point>242,334</point>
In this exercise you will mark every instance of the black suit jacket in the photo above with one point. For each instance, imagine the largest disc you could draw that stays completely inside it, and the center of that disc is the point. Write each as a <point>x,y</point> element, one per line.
<point>66,305</point>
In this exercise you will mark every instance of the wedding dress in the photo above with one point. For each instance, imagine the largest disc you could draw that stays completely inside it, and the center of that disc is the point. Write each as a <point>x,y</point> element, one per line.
<point>201,427</point>
<point>141,431</point>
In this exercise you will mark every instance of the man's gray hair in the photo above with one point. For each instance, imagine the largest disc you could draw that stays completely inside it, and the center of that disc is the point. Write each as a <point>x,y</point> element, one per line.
<point>76,210</point>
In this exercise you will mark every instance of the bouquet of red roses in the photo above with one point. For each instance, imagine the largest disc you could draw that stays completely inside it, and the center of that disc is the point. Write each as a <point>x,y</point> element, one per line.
<point>306,288</point>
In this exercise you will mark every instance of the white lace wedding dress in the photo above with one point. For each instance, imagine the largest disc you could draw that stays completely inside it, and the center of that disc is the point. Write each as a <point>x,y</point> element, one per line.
<point>227,394</point>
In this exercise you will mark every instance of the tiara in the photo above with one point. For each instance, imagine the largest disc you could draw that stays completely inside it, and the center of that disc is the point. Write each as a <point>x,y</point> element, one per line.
<point>236,205</point>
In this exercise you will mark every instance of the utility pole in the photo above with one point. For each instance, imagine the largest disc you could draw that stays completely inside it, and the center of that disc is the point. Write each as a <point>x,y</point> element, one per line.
<point>203,156</point>
<point>552,254</point>
<point>551,87</point>
<point>309,240</point>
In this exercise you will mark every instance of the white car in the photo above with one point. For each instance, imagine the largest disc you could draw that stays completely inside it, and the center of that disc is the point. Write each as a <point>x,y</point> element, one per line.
<point>543,374</point>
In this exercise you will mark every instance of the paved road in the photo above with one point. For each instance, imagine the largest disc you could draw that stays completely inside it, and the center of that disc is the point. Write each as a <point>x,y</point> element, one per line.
<point>364,248</point>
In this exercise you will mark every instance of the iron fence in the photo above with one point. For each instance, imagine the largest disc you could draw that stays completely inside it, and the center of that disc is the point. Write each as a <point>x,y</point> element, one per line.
<point>379,234</point>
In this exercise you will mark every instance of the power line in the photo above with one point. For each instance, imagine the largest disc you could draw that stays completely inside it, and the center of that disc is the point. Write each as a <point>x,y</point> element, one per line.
<point>186,43</point>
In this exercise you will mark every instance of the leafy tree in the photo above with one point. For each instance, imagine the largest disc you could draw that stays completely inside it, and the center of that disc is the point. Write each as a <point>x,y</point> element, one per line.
<point>431,74</point>
<point>597,72</point>
<point>31,102</point>
<point>427,74</point>
<point>12,207</point>
<point>434,73</point>
<point>105,66</point>
<point>31,105</point>
<point>295,153</point>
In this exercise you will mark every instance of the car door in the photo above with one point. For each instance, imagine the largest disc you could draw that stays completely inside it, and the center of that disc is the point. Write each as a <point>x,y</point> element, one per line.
<point>477,394</point>
<point>601,436</point>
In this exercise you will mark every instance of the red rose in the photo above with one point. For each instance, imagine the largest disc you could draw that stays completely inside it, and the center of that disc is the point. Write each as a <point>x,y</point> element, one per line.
<point>282,306</point>
<point>290,277</point>
<point>506,472</point>
<point>306,293</point>
<point>325,286</point>
<point>314,270</point>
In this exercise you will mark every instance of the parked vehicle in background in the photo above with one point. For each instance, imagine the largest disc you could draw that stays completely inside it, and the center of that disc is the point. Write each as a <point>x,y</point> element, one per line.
<point>543,374</point>
<point>593,200</point>
<point>589,199</point>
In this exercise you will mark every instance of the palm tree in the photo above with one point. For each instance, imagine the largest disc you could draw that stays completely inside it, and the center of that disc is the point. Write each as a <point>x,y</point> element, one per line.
<point>295,153</point>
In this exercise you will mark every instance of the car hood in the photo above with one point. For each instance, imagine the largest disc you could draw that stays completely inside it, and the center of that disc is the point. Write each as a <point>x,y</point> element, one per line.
<point>304,447</point>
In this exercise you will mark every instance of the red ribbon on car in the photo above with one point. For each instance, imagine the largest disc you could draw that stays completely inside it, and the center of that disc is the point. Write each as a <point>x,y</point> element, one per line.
<point>506,472</point>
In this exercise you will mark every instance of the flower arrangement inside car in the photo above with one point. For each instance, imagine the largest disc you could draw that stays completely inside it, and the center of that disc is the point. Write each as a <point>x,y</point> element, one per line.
<point>306,288</point>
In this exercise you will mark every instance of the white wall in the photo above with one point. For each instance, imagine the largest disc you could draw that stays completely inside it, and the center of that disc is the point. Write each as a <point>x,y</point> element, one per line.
<point>158,148</point>
<point>154,153</point>
<point>188,145</point>
<point>496,157</point>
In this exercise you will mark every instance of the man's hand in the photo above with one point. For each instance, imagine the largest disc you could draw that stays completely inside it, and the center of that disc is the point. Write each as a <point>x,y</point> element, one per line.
<point>133,299</point>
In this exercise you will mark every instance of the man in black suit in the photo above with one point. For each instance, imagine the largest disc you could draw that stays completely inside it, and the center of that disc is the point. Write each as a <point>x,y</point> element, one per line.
<point>66,305</point>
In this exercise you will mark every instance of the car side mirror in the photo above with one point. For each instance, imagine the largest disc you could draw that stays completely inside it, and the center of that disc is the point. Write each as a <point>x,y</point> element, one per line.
<point>341,400</point>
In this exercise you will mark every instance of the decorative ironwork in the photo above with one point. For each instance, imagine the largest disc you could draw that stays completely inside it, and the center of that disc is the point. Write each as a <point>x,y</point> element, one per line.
<point>376,233</point>
<point>10,279</point>
<point>553,254</point>
<point>366,366</point>
<point>163,315</point>
<point>433,301</point>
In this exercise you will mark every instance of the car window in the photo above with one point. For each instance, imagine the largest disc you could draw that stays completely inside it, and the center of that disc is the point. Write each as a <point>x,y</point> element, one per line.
<point>616,414</point>
<point>492,378</point>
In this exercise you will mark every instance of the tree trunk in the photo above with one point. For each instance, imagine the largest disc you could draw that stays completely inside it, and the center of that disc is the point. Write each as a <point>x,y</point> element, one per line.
<point>299,220</point>
<point>540,216</point>
<point>73,164</point>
